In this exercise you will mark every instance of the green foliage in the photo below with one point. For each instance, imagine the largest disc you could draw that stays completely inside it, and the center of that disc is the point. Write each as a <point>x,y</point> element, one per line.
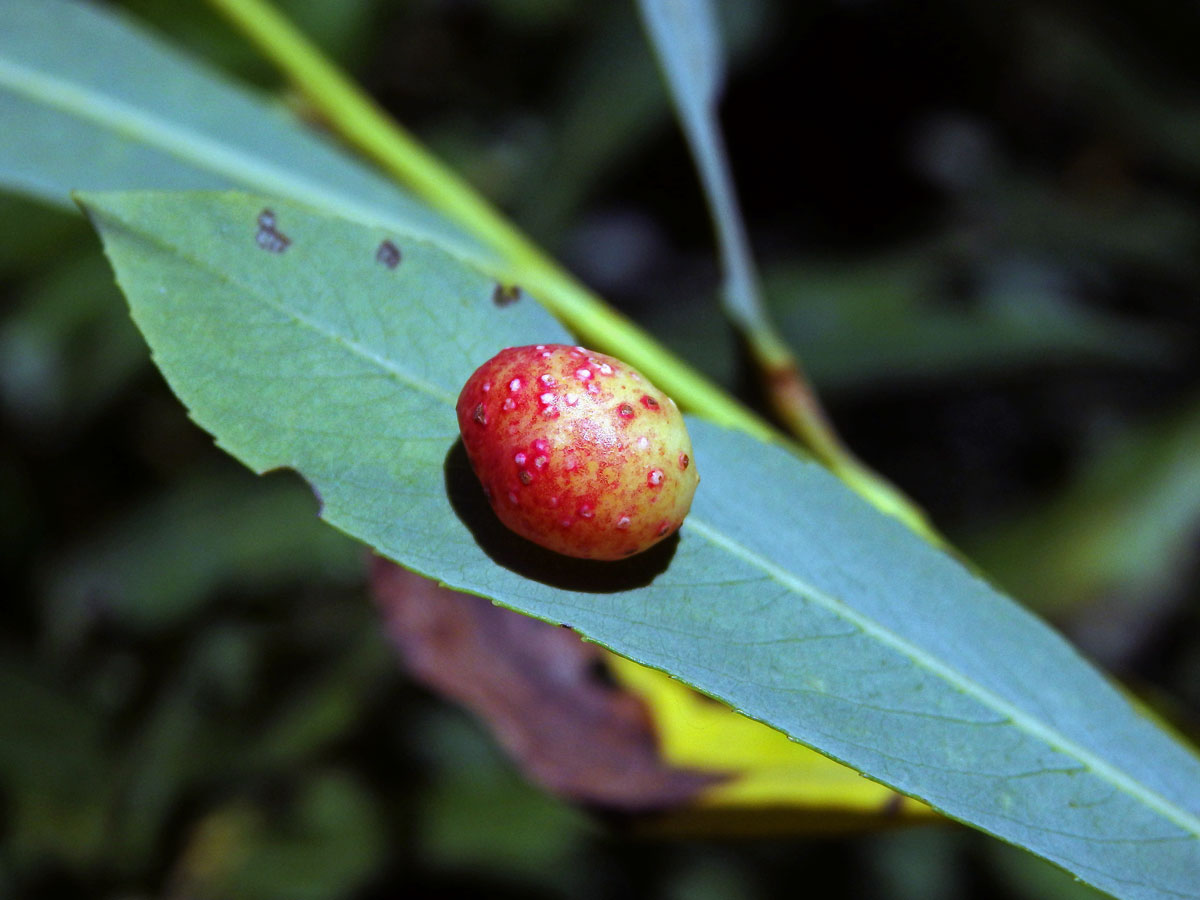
<point>195,700</point>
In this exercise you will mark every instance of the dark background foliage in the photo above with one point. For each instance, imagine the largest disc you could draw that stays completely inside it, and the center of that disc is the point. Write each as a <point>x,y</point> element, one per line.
<point>979,225</point>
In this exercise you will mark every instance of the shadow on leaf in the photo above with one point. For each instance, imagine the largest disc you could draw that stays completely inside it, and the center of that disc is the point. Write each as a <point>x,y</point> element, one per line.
<point>513,552</point>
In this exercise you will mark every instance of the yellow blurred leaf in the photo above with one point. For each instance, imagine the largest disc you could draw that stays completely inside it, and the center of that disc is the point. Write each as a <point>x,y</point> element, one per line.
<point>784,785</point>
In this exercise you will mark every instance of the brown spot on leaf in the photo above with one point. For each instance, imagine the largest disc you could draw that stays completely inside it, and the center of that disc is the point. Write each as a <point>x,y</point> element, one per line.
<point>388,254</point>
<point>268,237</point>
<point>506,295</point>
<point>536,687</point>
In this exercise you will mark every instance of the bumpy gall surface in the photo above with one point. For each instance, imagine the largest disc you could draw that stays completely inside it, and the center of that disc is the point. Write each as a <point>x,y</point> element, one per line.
<point>576,451</point>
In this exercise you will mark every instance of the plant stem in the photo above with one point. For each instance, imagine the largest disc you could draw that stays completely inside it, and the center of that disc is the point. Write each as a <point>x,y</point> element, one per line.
<point>366,126</point>
<point>796,405</point>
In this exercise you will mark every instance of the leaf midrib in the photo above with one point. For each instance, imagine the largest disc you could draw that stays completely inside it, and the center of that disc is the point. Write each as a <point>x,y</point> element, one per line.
<point>1014,714</point>
<point>1186,821</point>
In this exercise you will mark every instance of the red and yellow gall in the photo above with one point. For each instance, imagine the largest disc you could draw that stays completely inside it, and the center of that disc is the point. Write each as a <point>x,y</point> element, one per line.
<point>576,451</point>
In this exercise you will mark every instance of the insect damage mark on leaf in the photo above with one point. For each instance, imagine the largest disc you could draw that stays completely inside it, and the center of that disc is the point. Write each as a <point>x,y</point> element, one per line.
<point>506,294</point>
<point>268,236</point>
<point>388,254</point>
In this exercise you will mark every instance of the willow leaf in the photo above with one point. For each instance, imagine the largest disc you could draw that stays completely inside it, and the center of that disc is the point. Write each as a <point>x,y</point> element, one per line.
<point>785,595</point>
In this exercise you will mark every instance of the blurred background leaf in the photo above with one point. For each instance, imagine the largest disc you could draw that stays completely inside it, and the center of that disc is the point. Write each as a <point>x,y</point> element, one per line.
<point>868,323</point>
<point>133,111</point>
<point>208,533</point>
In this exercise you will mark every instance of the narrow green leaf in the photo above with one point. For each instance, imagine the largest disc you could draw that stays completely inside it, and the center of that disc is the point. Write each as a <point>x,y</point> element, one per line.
<point>90,101</point>
<point>1121,531</point>
<point>879,321</point>
<point>785,594</point>
<point>153,568</point>
<point>687,42</point>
